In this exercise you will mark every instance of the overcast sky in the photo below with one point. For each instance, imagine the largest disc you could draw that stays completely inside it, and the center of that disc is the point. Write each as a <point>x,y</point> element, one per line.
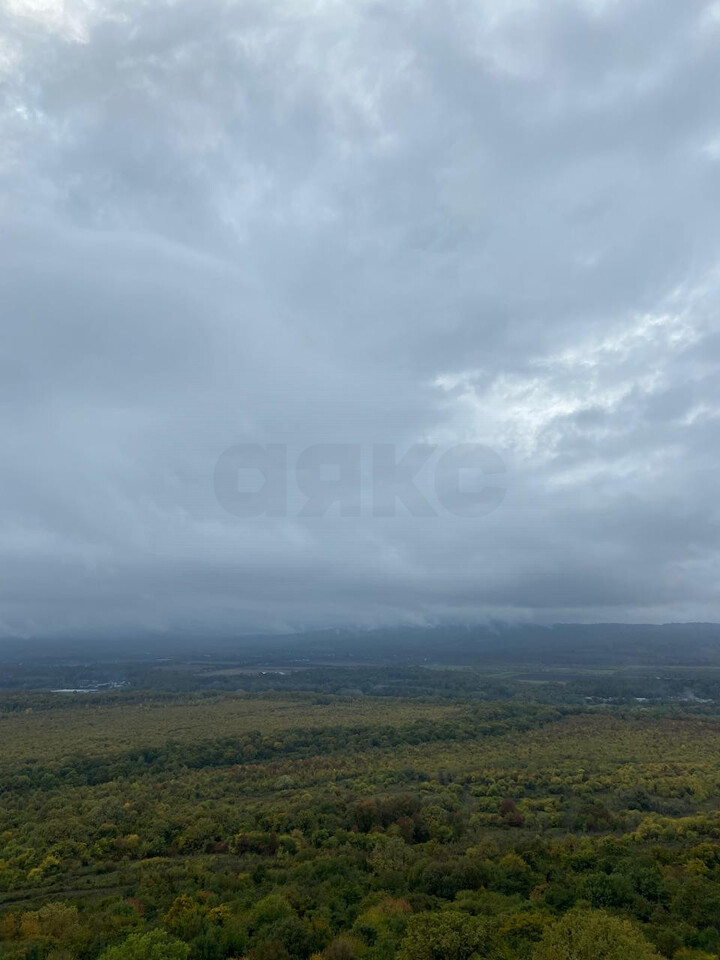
<point>347,222</point>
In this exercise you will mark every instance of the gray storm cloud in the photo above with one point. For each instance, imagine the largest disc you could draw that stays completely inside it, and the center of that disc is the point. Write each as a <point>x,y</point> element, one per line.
<point>356,223</point>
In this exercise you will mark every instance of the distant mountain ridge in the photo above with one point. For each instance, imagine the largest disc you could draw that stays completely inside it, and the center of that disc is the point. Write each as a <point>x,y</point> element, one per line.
<point>696,644</point>
<point>617,643</point>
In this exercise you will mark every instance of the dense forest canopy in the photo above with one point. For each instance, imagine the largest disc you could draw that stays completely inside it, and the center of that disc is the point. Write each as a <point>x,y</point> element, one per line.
<point>201,810</point>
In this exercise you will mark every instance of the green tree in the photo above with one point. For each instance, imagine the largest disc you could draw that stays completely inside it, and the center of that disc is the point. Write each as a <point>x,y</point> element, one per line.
<point>156,945</point>
<point>447,935</point>
<point>593,935</point>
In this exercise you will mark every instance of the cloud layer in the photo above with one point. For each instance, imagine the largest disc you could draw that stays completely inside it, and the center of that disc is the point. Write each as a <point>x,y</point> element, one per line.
<point>340,221</point>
